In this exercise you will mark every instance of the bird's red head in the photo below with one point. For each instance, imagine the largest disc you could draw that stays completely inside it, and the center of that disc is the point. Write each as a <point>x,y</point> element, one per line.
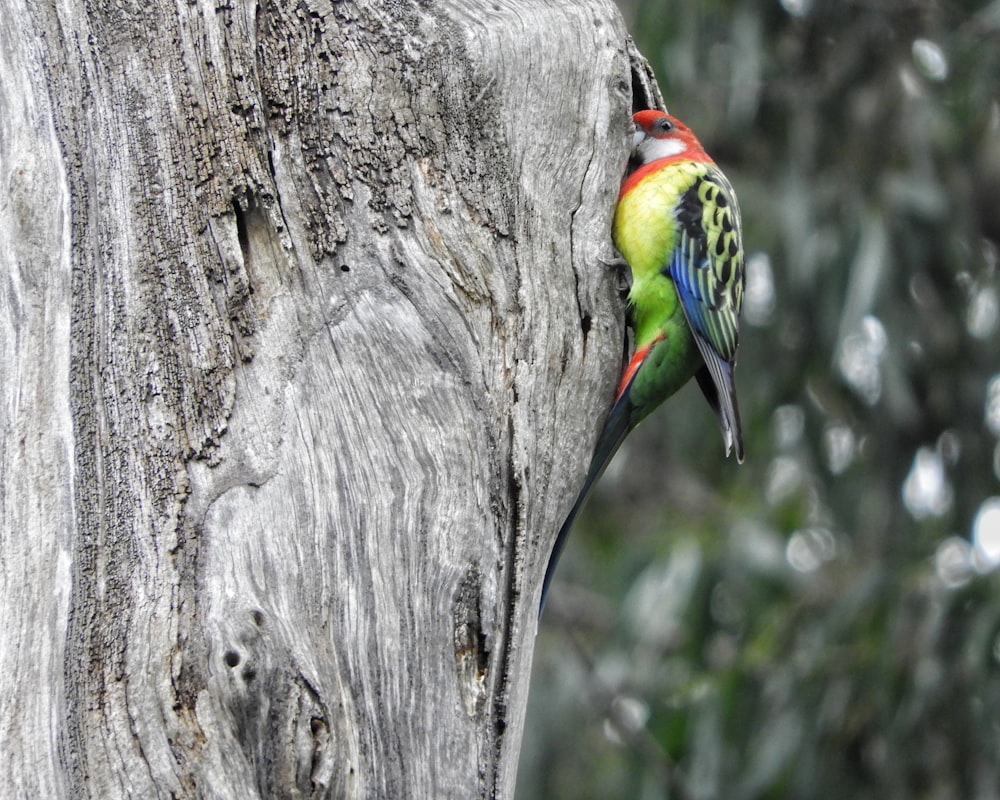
<point>659,135</point>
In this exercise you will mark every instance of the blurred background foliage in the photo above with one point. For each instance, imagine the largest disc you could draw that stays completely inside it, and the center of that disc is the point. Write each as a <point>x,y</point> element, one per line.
<point>823,621</point>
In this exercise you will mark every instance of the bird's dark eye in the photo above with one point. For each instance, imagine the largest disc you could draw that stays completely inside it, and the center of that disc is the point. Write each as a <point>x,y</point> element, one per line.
<point>664,124</point>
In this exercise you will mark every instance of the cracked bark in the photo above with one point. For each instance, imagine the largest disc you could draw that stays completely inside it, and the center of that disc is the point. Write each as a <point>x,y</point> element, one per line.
<point>306,339</point>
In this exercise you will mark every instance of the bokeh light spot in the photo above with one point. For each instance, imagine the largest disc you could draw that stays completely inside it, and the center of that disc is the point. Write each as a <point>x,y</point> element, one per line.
<point>840,447</point>
<point>759,298</point>
<point>986,534</point>
<point>788,424</point>
<point>628,714</point>
<point>926,490</point>
<point>983,313</point>
<point>784,479</point>
<point>930,59</point>
<point>797,8</point>
<point>953,562</point>
<point>860,354</point>
<point>992,411</point>
<point>809,549</point>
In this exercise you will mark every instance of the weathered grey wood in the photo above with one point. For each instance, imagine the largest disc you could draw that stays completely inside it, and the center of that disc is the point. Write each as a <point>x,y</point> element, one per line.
<point>306,330</point>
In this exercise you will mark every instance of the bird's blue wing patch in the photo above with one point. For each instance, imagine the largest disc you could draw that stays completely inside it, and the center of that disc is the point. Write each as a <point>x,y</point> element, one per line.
<point>707,262</point>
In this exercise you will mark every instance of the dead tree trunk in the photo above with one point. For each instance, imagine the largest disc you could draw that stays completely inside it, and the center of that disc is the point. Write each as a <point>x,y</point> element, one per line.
<point>305,337</point>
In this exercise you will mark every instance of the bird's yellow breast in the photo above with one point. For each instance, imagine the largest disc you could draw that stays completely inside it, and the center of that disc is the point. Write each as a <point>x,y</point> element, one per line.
<point>644,226</point>
<point>645,232</point>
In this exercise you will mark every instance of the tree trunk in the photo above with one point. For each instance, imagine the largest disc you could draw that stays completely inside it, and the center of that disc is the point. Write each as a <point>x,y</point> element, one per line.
<point>306,331</point>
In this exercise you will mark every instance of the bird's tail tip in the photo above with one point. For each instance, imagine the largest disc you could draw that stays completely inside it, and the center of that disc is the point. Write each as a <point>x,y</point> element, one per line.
<point>734,445</point>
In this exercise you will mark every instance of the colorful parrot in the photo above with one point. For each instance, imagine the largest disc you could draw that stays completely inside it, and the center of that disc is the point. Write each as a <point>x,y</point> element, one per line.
<point>678,227</point>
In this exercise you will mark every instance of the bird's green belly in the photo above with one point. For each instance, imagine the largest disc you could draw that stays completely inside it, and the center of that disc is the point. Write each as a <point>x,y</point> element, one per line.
<point>671,363</point>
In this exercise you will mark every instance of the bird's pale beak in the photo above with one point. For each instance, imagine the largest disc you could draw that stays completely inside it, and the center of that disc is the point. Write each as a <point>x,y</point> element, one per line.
<point>637,137</point>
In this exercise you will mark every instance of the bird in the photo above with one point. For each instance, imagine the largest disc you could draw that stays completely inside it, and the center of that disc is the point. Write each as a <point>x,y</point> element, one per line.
<point>678,227</point>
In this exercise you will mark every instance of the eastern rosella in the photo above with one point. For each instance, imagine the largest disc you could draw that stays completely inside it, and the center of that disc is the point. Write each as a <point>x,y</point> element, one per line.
<point>678,227</point>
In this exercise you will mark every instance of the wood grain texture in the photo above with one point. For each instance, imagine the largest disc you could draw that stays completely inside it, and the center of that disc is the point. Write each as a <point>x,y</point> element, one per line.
<point>307,332</point>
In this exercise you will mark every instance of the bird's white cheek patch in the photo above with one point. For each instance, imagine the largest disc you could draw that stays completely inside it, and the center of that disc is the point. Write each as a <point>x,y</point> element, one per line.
<point>662,148</point>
